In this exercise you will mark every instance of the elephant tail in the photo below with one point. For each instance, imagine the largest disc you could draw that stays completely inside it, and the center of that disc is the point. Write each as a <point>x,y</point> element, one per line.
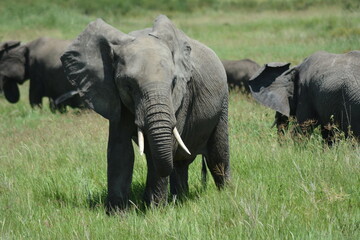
<point>203,172</point>
<point>65,97</point>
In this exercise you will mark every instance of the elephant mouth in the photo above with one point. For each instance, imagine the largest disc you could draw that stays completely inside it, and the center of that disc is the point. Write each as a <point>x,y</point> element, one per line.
<point>175,133</point>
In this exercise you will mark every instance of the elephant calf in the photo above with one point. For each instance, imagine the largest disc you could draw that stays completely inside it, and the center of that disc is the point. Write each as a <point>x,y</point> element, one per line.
<point>239,72</point>
<point>323,90</point>
<point>38,61</point>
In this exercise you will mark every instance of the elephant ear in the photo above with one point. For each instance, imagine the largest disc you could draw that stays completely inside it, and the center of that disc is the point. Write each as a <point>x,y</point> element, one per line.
<point>88,64</point>
<point>180,48</point>
<point>273,85</point>
<point>5,46</point>
<point>11,91</point>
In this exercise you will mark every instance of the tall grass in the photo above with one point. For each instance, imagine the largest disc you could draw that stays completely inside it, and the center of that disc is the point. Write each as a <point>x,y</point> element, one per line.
<point>53,166</point>
<point>134,6</point>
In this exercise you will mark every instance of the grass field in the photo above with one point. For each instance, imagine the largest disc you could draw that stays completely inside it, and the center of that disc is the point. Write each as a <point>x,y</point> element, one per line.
<point>53,166</point>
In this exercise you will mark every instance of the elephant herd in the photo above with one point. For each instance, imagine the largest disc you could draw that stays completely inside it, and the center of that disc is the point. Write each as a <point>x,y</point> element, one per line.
<point>38,61</point>
<point>169,94</point>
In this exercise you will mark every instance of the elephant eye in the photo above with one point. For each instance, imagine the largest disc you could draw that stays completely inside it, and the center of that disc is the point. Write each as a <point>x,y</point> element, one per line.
<point>128,88</point>
<point>173,82</point>
<point>131,86</point>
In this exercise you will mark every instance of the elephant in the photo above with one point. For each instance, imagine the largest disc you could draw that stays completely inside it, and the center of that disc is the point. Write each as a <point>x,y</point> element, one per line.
<point>38,61</point>
<point>160,88</point>
<point>322,91</point>
<point>239,72</point>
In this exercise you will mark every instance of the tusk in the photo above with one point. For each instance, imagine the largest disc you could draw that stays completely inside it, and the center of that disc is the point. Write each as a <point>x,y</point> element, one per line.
<point>141,141</point>
<point>180,141</point>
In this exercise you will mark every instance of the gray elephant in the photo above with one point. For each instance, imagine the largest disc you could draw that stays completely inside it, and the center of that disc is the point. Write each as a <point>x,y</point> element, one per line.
<point>323,90</point>
<point>239,72</point>
<point>38,61</point>
<point>164,90</point>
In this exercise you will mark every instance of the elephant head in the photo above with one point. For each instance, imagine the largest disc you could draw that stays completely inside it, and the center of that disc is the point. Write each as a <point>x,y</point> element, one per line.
<point>147,74</point>
<point>12,68</point>
<point>274,85</point>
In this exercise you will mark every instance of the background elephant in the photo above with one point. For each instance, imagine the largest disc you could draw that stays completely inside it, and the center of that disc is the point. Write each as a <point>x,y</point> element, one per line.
<point>38,61</point>
<point>239,72</point>
<point>323,89</point>
<point>160,88</point>
<point>6,46</point>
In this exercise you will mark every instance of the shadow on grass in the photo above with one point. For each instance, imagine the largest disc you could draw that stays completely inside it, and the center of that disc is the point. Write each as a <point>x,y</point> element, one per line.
<point>98,199</point>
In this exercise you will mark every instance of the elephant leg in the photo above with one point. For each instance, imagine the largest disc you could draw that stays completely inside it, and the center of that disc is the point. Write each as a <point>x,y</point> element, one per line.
<point>120,163</point>
<point>156,191</point>
<point>307,118</point>
<point>328,134</point>
<point>35,94</point>
<point>52,105</point>
<point>217,158</point>
<point>282,123</point>
<point>179,178</point>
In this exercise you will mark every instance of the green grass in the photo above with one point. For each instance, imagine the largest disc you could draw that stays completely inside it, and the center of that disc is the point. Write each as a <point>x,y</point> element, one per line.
<point>53,166</point>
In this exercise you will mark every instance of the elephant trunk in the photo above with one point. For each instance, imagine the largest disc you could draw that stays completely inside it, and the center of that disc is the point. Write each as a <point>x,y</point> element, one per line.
<point>158,125</point>
<point>160,142</point>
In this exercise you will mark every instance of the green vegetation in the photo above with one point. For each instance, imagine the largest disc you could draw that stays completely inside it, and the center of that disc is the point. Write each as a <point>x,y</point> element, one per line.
<point>133,6</point>
<point>53,166</point>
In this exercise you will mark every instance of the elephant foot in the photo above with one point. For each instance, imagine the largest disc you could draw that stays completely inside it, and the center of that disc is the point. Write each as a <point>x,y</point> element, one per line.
<point>115,205</point>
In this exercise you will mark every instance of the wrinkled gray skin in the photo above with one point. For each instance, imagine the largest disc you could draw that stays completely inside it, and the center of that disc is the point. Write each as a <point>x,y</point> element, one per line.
<point>38,61</point>
<point>324,88</point>
<point>153,79</point>
<point>239,72</point>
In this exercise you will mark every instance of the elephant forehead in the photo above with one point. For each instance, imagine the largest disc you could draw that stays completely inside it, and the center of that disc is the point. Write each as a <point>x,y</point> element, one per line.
<point>148,61</point>
<point>148,47</point>
<point>149,69</point>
